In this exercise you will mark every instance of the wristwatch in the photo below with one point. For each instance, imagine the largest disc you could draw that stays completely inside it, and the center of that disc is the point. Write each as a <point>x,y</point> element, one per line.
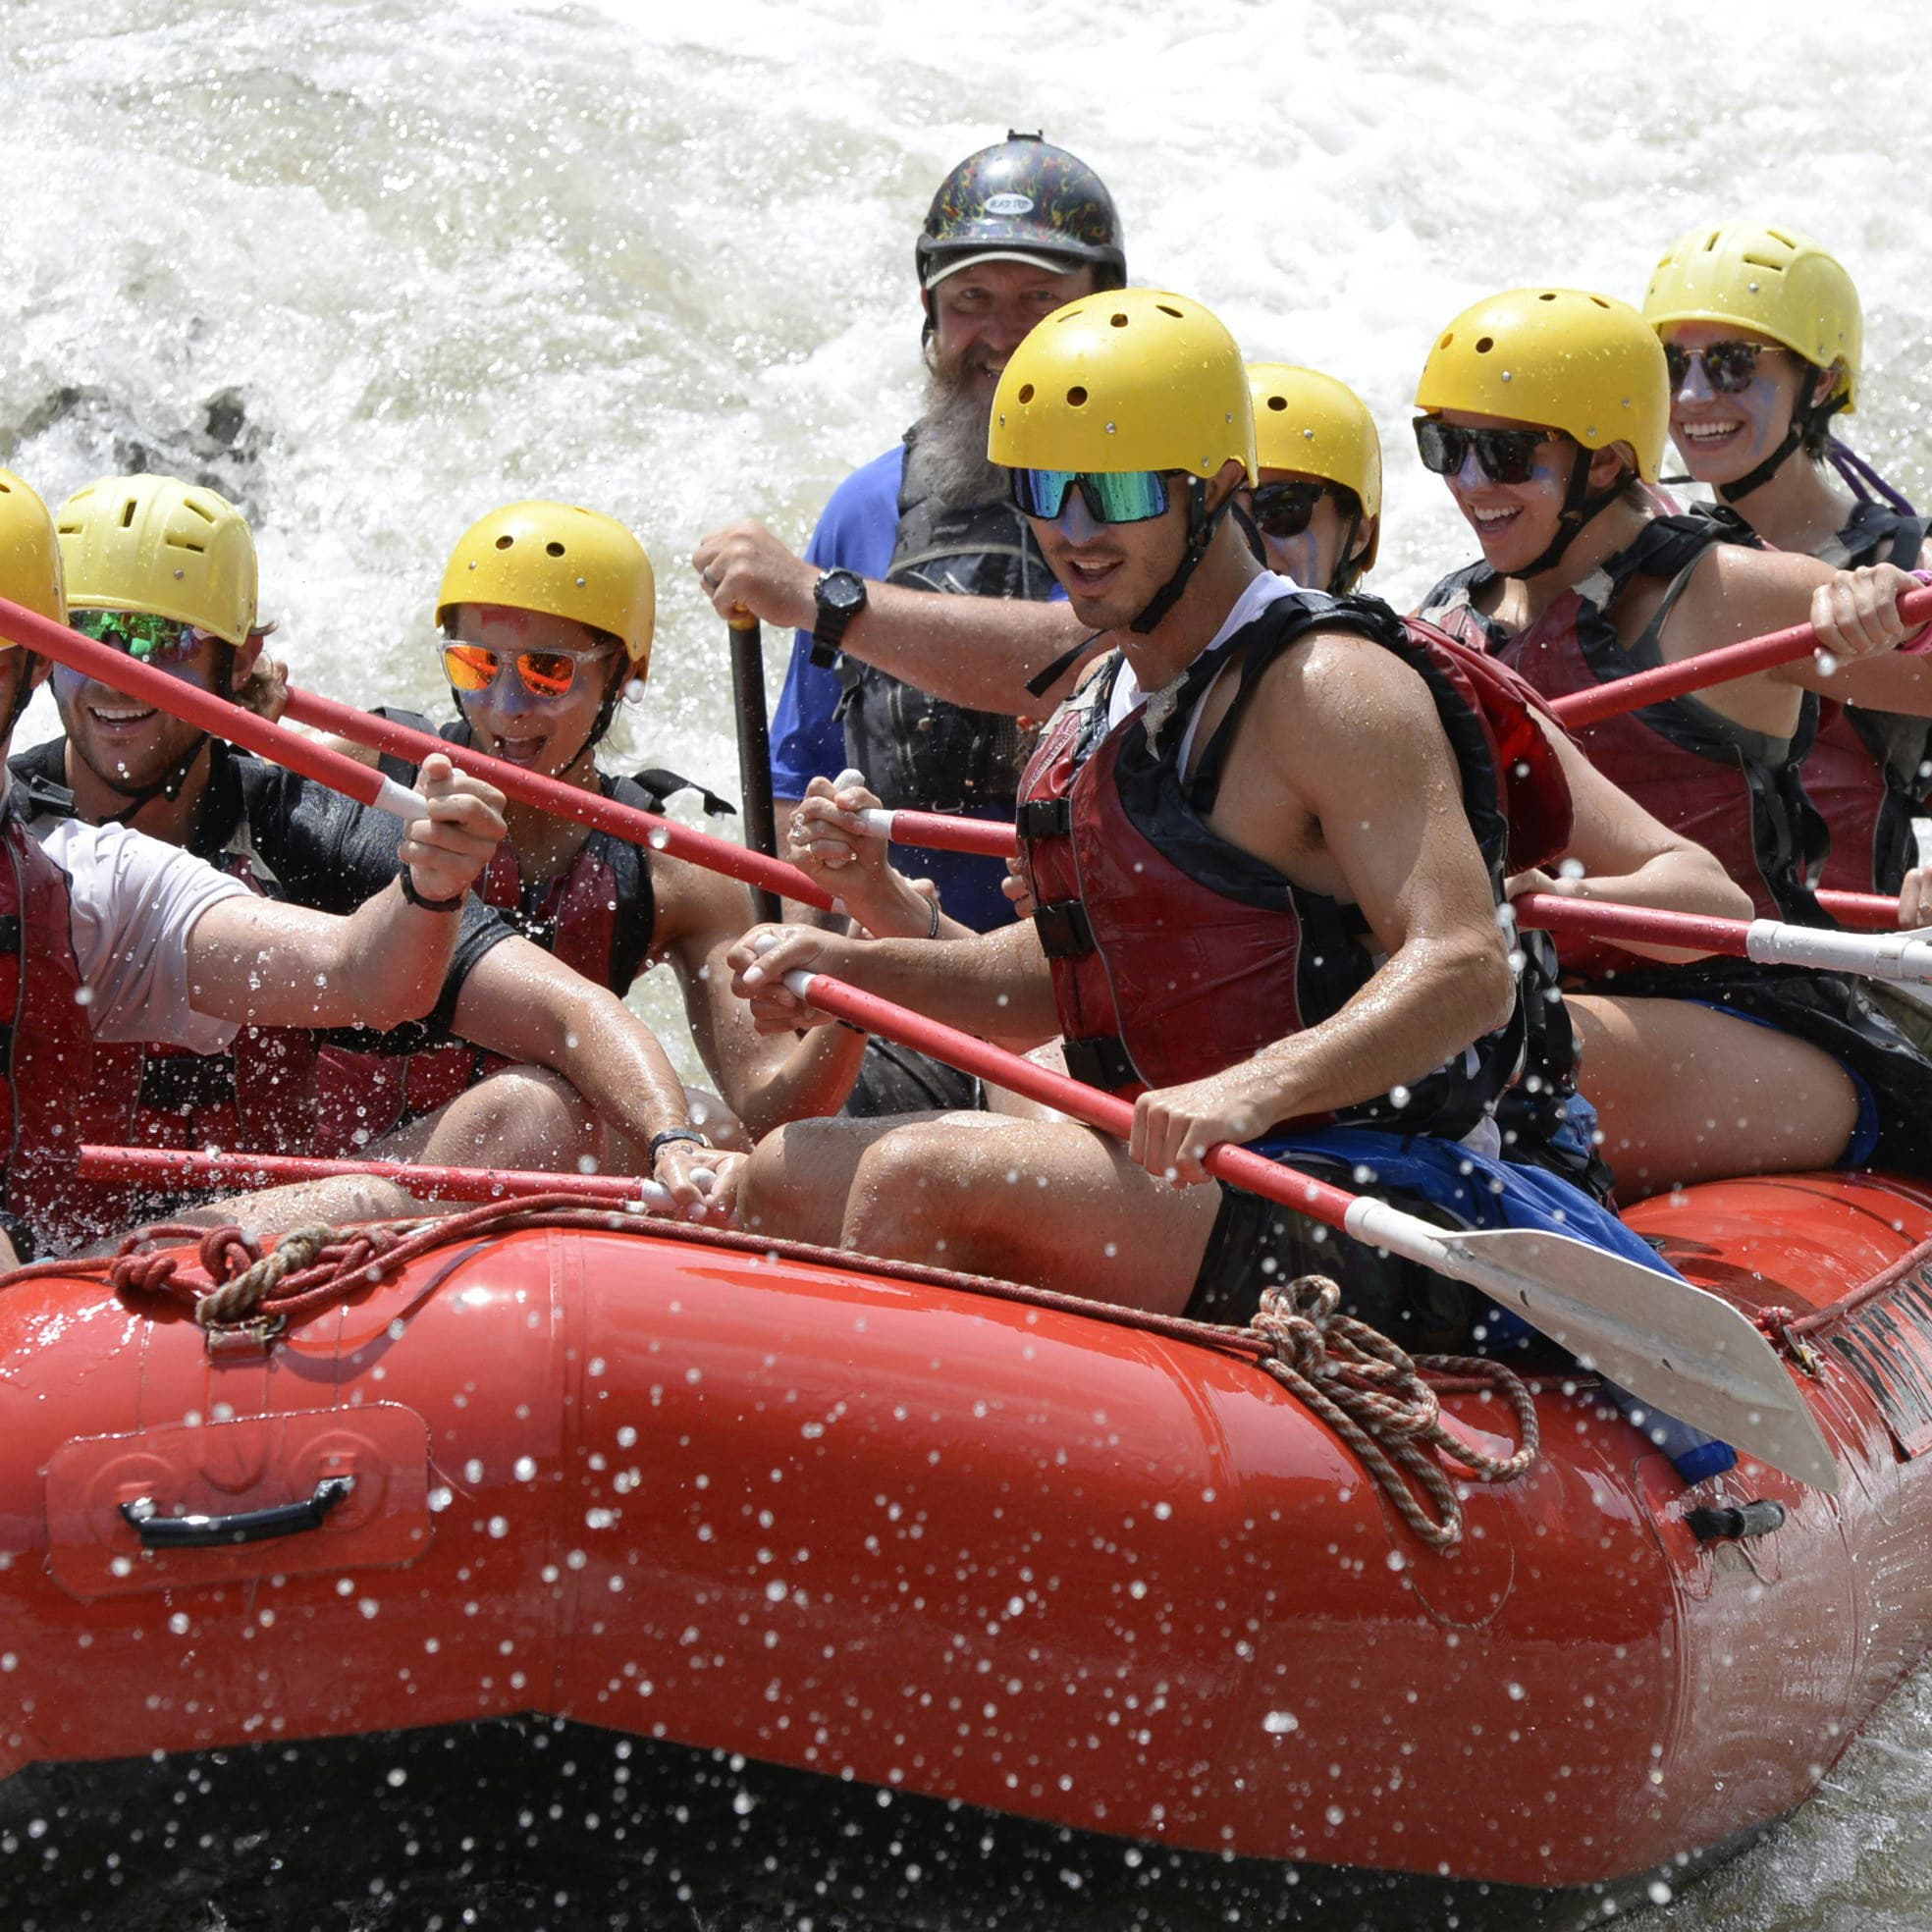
<point>659,1141</point>
<point>840,596</point>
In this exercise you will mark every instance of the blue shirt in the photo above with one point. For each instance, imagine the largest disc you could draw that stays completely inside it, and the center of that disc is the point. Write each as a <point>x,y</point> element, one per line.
<point>858,530</point>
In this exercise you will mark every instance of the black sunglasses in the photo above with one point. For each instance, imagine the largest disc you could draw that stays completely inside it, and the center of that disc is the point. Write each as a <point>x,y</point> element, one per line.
<point>1282,510</point>
<point>1729,366</point>
<point>1504,455</point>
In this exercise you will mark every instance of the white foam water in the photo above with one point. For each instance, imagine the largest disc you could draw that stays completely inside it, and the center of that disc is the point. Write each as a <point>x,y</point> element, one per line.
<point>374,269</point>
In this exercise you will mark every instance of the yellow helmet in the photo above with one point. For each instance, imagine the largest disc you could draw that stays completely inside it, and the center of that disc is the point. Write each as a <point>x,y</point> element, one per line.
<point>1561,358</point>
<point>157,544</point>
<point>562,562</point>
<point>29,555</point>
<point>1772,280</point>
<point>1307,421</point>
<point>1128,379</point>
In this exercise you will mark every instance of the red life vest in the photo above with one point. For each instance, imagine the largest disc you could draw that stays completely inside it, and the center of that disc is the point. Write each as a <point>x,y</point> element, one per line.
<point>49,1051</point>
<point>1867,769</point>
<point>1174,954</point>
<point>257,1096</point>
<point>1733,790</point>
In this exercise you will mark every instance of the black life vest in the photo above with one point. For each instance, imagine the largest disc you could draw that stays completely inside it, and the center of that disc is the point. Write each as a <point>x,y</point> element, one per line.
<point>916,750</point>
<point>1175,954</point>
<point>1736,791</point>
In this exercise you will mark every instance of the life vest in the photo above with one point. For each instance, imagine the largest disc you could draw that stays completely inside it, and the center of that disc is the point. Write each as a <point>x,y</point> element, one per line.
<point>50,1052</point>
<point>257,1096</point>
<point>598,915</point>
<point>1733,790</point>
<point>1868,773</point>
<point>916,750</point>
<point>1175,954</point>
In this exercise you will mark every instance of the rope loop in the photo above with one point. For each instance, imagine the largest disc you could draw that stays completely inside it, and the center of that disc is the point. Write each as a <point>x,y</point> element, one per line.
<point>1372,1393</point>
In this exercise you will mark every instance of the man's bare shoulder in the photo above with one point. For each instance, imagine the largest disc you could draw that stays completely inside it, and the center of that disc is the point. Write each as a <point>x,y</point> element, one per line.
<point>1337,681</point>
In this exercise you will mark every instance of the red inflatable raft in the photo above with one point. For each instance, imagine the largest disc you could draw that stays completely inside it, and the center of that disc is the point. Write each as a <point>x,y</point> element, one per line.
<point>881,1526</point>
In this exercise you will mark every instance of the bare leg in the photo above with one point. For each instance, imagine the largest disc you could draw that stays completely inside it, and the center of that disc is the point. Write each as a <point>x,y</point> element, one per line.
<point>1686,1093</point>
<point>1031,1201</point>
<point>520,1117</point>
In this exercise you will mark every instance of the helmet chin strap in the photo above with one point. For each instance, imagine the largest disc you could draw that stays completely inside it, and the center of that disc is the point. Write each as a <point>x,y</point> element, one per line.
<point>1806,416</point>
<point>1203,522</point>
<point>1579,505</point>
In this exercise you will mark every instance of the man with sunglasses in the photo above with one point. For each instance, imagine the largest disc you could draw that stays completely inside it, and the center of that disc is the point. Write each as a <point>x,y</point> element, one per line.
<point>1763,335</point>
<point>167,570</point>
<point>920,693</point>
<point>109,937</point>
<point>1267,840</point>
<point>1317,501</point>
<point>547,613</point>
<point>1545,413</point>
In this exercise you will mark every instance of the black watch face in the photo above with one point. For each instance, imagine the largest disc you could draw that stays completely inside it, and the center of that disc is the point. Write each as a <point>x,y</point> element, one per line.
<point>843,591</point>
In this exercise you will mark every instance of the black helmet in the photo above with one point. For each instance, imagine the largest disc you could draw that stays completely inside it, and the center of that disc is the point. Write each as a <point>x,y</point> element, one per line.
<point>1026,200</point>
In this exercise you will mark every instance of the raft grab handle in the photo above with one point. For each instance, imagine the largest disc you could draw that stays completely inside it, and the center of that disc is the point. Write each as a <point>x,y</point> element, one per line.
<point>1736,1525</point>
<point>166,1532</point>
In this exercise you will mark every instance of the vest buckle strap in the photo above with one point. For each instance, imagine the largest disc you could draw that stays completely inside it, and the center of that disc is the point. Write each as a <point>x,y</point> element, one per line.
<point>1044,818</point>
<point>1065,932</point>
<point>1101,1060</point>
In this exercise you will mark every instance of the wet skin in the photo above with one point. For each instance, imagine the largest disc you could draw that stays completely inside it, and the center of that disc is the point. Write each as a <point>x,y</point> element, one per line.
<point>127,745</point>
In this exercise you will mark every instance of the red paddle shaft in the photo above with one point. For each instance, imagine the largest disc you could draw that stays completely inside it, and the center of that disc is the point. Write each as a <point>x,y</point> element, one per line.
<point>1106,1111</point>
<point>167,1168</point>
<point>181,699</point>
<point>1708,668</point>
<point>589,808</point>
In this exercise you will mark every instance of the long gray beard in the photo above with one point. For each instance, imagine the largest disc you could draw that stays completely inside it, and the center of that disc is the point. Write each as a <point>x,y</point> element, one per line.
<point>952,441</point>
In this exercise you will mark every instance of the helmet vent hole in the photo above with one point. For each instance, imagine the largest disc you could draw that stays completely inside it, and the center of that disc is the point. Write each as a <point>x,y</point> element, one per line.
<point>1548,295</point>
<point>1599,301</point>
<point>503,543</point>
<point>1764,261</point>
<point>1166,310</point>
<point>1447,340</point>
<point>186,543</point>
<point>1119,321</point>
<point>553,549</point>
<point>1076,396</point>
<point>1277,401</point>
<point>200,509</point>
<point>1484,343</point>
<point>128,514</point>
<point>1026,392</point>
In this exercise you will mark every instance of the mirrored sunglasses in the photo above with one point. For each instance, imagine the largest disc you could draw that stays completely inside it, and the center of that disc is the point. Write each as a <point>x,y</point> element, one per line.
<point>1728,366</point>
<point>157,641</point>
<point>545,673</point>
<point>1126,495</point>
<point>1504,455</point>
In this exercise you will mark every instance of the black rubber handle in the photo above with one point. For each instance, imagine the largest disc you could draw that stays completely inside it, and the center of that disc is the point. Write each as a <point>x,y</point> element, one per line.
<point>158,1531</point>
<point>1737,1525</point>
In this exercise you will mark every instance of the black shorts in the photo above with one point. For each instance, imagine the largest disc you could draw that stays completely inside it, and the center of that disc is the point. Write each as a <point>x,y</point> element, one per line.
<point>893,1079</point>
<point>1258,1244</point>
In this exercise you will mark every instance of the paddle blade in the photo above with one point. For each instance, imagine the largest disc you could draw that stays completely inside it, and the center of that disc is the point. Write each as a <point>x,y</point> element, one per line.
<point>1681,1349</point>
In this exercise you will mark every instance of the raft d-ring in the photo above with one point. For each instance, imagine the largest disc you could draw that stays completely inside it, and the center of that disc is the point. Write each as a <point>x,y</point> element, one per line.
<point>166,1532</point>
